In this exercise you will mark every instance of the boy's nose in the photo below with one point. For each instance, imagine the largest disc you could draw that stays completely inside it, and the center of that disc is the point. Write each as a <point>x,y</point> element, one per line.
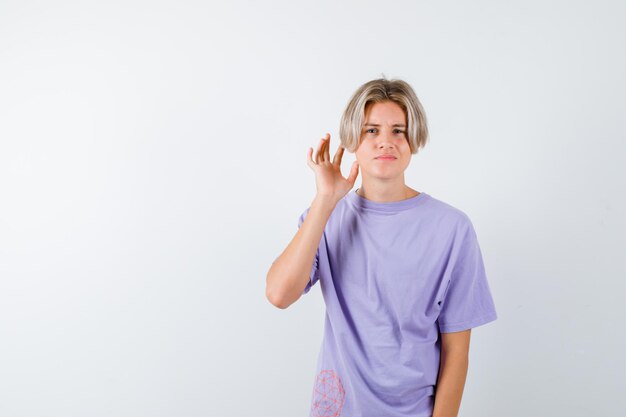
<point>385,141</point>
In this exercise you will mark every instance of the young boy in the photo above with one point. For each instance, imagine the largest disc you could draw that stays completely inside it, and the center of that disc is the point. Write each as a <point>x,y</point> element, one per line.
<point>401,272</point>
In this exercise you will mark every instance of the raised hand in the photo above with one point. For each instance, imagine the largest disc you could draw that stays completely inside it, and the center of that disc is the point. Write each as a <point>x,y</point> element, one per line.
<point>328,179</point>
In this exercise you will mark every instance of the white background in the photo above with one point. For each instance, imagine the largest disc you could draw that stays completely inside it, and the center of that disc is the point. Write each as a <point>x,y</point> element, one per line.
<point>153,165</point>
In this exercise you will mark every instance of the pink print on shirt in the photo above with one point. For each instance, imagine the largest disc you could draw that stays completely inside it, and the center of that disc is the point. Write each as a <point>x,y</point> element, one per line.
<point>328,395</point>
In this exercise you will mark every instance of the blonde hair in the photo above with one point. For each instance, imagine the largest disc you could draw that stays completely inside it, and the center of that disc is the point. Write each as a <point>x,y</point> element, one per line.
<point>376,91</point>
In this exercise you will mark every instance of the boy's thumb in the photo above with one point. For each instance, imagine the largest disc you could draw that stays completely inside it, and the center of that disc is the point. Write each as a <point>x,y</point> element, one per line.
<point>354,171</point>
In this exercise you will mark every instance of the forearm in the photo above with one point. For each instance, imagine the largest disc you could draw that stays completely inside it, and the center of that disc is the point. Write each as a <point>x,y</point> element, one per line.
<point>289,273</point>
<point>450,384</point>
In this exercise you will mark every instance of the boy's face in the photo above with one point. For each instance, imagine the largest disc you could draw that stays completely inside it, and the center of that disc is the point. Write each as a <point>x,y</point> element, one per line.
<point>384,132</point>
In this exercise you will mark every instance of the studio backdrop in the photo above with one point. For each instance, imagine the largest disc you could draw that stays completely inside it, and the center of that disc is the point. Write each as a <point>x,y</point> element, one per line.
<point>153,165</point>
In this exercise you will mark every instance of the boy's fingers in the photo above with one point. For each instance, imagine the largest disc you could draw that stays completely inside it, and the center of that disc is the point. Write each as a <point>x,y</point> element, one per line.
<point>327,150</point>
<point>338,156</point>
<point>320,148</point>
<point>322,151</point>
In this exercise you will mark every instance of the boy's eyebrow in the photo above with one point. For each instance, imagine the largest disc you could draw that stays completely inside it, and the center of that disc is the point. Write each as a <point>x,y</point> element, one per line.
<point>394,125</point>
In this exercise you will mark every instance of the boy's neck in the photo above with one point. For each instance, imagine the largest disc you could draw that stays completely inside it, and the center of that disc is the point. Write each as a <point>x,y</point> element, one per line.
<point>387,195</point>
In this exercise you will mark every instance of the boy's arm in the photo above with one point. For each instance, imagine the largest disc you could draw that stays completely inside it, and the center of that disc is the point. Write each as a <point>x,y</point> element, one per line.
<point>289,273</point>
<point>452,373</point>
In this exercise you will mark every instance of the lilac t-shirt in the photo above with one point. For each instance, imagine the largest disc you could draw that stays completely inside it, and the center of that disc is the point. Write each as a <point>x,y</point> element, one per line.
<point>393,276</point>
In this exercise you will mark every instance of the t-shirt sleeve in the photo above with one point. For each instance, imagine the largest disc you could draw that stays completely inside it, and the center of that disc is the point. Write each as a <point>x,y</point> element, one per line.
<point>314,274</point>
<point>467,301</point>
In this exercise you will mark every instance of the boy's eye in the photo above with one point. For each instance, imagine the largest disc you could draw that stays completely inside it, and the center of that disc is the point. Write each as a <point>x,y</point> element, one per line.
<point>373,130</point>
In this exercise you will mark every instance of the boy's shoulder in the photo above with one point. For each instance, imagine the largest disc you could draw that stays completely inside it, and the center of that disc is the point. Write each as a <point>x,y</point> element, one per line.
<point>446,209</point>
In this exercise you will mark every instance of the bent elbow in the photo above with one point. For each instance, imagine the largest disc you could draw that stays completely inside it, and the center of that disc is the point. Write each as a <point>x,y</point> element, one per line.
<point>277,293</point>
<point>275,298</point>
<point>275,301</point>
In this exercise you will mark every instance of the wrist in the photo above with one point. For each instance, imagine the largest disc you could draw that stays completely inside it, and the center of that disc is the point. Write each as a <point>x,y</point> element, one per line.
<point>326,202</point>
